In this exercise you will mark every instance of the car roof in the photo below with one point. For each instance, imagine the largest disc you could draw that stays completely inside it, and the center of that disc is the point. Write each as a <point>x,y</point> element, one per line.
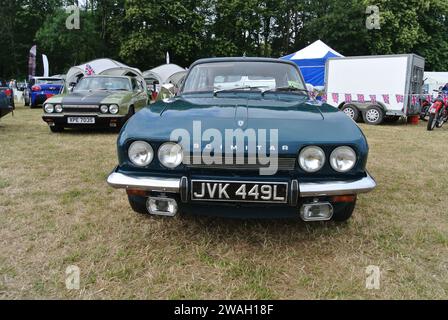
<point>242,59</point>
<point>49,78</point>
<point>106,76</point>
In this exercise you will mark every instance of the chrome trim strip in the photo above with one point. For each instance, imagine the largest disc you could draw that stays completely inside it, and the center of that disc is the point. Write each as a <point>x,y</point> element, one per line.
<point>337,188</point>
<point>122,181</point>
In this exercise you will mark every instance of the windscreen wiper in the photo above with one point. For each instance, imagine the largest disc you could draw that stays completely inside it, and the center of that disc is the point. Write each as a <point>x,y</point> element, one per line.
<point>215,92</point>
<point>289,89</point>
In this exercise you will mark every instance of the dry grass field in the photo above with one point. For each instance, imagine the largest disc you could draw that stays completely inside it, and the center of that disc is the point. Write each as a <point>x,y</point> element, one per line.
<point>56,210</point>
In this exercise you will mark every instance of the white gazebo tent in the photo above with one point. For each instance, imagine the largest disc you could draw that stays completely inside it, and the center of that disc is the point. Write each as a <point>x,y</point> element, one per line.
<point>162,73</point>
<point>102,67</point>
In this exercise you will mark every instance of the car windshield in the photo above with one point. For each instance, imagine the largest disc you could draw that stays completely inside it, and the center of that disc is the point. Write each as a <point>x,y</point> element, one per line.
<point>241,75</point>
<point>103,83</point>
<point>50,81</point>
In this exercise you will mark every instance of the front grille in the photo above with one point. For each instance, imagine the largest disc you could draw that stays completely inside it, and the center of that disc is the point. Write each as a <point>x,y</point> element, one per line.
<point>81,108</point>
<point>284,164</point>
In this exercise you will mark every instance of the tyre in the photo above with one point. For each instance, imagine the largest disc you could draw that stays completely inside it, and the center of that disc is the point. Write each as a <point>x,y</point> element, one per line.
<point>374,115</point>
<point>351,111</point>
<point>56,129</point>
<point>432,121</point>
<point>138,204</point>
<point>27,100</point>
<point>343,211</point>
<point>441,121</point>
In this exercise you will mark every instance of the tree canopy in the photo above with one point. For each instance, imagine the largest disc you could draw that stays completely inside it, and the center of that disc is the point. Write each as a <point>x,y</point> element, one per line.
<point>140,32</point>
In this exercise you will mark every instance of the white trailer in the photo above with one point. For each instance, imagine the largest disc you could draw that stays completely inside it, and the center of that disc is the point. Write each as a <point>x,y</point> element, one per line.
<point>375,88</point>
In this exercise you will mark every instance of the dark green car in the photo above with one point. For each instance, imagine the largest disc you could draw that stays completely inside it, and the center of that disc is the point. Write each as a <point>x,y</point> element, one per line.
<point>96,101</point>
<point>243,139</point>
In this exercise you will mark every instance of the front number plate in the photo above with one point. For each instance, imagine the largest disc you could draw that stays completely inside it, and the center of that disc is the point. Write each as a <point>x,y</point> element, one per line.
<point>263,192</point>
<point>80,120</point>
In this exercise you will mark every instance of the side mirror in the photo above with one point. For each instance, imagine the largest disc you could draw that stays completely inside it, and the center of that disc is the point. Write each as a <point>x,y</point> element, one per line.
<point>167,91</point>
<point>71,86</point>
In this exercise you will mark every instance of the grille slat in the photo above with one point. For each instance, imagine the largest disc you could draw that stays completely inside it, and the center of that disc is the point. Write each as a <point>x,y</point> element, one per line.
<point>81,108</point>
<point>284,164</point>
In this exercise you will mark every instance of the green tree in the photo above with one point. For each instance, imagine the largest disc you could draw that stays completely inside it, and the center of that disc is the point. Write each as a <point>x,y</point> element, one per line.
<point>68,47</point>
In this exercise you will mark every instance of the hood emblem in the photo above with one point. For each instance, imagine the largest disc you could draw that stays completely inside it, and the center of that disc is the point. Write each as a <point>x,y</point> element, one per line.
<point>241,123</point>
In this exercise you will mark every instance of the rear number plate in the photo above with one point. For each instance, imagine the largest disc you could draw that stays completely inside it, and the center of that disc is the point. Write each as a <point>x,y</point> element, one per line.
<point>80,120</point>
<point>263,192</point>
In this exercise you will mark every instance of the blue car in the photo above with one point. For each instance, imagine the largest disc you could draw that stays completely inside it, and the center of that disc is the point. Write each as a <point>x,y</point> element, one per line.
<point>243,139</point>
<point>40,89</point>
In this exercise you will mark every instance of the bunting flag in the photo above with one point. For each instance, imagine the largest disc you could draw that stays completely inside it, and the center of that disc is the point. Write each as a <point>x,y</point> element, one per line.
<point>348,97</point>
<point>89,70</point>
<point>414,99</point>
<point>373,98</point>
<point>335,97</point>
<point>324,97</point>
<point>361,98</point>
<point>400,98</point>
<point>386,98</point>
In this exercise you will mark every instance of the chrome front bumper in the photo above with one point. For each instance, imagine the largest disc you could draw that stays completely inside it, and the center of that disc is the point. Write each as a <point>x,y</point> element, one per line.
<point>173,185</point>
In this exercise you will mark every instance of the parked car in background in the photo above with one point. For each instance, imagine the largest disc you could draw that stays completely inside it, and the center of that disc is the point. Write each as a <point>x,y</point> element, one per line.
<point>6,99</point>
<point>40,89</point>
<point>96,101</point>
<point>171,154</point>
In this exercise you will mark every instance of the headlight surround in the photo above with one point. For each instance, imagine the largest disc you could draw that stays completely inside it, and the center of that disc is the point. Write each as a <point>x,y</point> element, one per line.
<point>104,108</point>
<point>49,108</point>
<point>113,109</point>
<point>343,159</point>
<point>312,159</point>
<point>171,155</point>
<point>141,153</point>
<point>58,108</point>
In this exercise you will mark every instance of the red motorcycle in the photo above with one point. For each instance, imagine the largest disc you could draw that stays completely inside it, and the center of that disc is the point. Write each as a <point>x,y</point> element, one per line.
<point>425,105</point>
<point>438,112</point>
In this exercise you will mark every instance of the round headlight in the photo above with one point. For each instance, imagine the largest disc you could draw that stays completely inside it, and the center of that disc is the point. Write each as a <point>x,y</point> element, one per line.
<point>312,159</point>
<point>104,109</point>
<point>343,159</point>
<point>170,155</point>
<point>49,108</point>
<point>58,108</point>
<point>113,109</point>
<point>141,153</point>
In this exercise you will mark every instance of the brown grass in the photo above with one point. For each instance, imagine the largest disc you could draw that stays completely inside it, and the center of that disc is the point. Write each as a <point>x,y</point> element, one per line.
<point>56,210</point>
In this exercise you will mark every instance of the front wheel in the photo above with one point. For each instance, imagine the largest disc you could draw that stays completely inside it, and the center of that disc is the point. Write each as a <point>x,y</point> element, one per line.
<point>343,211</point>
<point>27,100</point>
<point>56,129</point>
<point>138,204</point>
<point>432,121</point>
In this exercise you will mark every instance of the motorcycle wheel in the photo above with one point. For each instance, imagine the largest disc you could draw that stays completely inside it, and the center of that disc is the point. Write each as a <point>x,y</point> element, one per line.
<point>432,121</point>
<point>441,121</point>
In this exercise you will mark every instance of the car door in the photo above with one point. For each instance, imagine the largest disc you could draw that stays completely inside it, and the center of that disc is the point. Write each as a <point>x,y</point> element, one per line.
<point>140,96</point>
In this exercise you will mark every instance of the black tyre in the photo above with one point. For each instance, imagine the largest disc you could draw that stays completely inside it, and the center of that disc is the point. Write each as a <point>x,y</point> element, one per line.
<point>432,121</point>
<point>27,100</point>
<point>138,204</point>
<point>343,211</point>
<point>374,115</point>
<point>56,129</point>
<point>351,111</point>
